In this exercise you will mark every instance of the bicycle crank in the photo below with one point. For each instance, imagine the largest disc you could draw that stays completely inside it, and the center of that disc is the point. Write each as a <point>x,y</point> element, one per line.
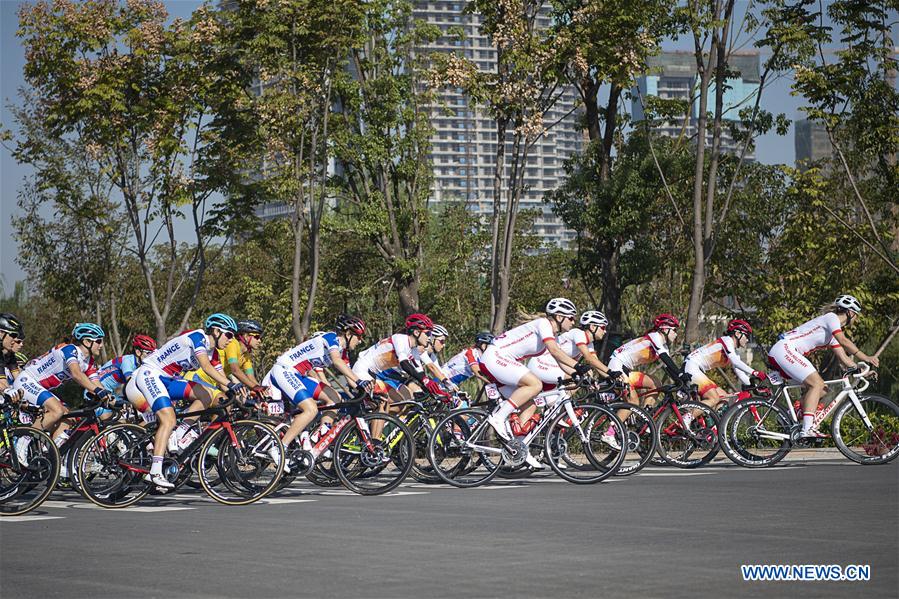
<point>514,453</point>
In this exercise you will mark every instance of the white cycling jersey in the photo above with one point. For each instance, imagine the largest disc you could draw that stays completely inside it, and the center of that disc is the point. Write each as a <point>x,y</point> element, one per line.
<point>314,353</point>
<point>458,368</point>
<point>52,369</point>
<point>718,354</point>
<point>818,333</point>
<point>384,355</point>
<point>638,352</point>
<point>179,354</point>
<point>570,343</point>
<point>524,341</point>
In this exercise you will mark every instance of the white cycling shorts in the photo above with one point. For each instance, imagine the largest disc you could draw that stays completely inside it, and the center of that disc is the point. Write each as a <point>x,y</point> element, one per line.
<point>500,369</point>
<point>790,362</point>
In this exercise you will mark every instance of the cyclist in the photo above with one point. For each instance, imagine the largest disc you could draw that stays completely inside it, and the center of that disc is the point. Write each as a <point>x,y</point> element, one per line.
<point>430,360</point>
<point>788,355</point>
<point>293,373</point>
<point>114,375</point>
<point>645,350</point>
<point>465,364</point>
<point>12,337</point>
<point>719,354</point>
<point>235,361</point>
<point>65,362</point>
<point>502,363</point>
<point>157,382</point>
<point>396,352</point>
<point>577,344</point>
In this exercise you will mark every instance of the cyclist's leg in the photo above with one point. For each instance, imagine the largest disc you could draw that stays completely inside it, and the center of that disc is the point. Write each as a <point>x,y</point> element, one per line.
<point>36,395</point>
<point>795,366</point>
<point>510,372</point>
<point>301,392</point>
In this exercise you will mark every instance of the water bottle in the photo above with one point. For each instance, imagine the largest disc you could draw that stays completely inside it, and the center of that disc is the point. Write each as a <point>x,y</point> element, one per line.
<point>62,438</point>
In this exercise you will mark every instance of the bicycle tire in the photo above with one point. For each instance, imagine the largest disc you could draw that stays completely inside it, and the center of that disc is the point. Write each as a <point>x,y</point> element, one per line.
<point>641,437</point>
<point>676,446</point>
<point>590,464</point>
<point>366,469</point>
<point>878,444</point>
<point>452,457</point>
<point>24,490</point>
<point>120,453</point>
<point>245,468</point>
<point>741,433</point>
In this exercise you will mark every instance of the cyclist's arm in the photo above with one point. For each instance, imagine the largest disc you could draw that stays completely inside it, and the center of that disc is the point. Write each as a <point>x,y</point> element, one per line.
<point>476,371</point>
<point>740,368</point>
<point>670,367</point>
<point>207,367</point>
<point>591,359</point>
<point>564,360</point>
<point>343,368</point>
<point>239,375</point>
<point>849,350</point>
<point>81,378</point>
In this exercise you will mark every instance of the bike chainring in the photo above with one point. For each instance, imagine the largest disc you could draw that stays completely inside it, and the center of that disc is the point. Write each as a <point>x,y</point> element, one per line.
<point>514,453</point>
<point>301,462</point>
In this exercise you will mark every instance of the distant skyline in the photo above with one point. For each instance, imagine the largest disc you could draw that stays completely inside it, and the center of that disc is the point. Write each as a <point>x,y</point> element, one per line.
<point>771,149</point>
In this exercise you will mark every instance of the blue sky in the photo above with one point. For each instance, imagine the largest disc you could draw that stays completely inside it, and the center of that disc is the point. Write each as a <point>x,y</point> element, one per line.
<point>771,148</point>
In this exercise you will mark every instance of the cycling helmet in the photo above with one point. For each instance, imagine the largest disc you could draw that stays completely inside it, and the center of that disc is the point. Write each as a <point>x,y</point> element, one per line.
<point>485,337</point>
<point>10,324</point>
<point>87,330</point>
<point>663,321</point>
<point>353,324</point>
<point>439,331</point>
<point>221,321</point>
<point>848,302</point>
<point>21,359</point>
<point>560,306</point>
<point>250,326</point>
<point>418,322</point>
<point>739,325</point>
<point>144,342</point>
<point>594,317</point>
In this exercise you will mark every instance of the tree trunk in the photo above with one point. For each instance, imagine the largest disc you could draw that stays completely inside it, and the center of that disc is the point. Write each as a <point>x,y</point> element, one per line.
<point>498,174</point>
<point>608,138</point>
<point>407,290</point>
<point>611,286</point>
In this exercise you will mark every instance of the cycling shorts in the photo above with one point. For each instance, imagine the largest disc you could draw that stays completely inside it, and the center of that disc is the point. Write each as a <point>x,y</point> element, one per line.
<point>700,379</point>
<point>500,369</point>
<point>548,375</point>
<point>293,385</point>
<point>32,391</point>
<point>789,362</point>
<point>150,389</point>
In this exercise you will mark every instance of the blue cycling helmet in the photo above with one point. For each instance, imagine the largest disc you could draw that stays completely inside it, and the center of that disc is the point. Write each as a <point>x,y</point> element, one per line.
<point>87,330</point>
<point>221,321</point>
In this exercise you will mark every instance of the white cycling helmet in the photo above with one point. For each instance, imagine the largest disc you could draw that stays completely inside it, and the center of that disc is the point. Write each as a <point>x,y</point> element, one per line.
<point>439,332</point>
<point>594,317</point>
<point>848,302</point>
<point>560,306</point>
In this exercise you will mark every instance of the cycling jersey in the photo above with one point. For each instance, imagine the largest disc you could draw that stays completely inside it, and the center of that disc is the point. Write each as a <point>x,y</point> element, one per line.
<point>458,368</point>
<point>179,354</point>
<point>115,373</point>
<point>718,354</point>
<point>638,352</point>
<point>545,366</point>
<point>312,354</point>
<point>52,369</point>
<point>233,357</point>
<point>524,341</point>
<point>818,333</point>
<point>385,354</point>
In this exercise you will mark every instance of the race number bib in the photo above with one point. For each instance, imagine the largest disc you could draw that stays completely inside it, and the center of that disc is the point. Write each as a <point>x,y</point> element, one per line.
<point>149,416</point>
<point>775,377</point>
<point>274,408</point>
<point>492,392</point>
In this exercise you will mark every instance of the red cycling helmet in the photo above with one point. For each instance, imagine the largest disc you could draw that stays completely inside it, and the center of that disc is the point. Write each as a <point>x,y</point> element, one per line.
<point>419,322</point>
<point>353,324</point>
<point>740,325</point>
<point>665,321</point>
<point>144,342</point>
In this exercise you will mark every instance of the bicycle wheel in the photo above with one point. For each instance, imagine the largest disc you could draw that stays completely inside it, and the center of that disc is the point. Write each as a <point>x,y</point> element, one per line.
<point>870,436</point>
<point>245,470</point>
<point>112,466</point>
<point>687,448</point>
<point>755,433</point>
<point>24,485</point>
<point>464,449</point>
<point>575,444</point>
<point>422,471</point>
<point>371,465</point>
<point>641,436</point>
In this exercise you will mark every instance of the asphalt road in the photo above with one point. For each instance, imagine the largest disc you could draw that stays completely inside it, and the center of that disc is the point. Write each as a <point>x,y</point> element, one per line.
<point>663,533</point>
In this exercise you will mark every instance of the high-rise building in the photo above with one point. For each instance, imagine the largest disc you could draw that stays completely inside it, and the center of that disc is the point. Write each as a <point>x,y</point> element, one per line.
<point>673,75</point>
<point>464,138</point>
<point>811,142</point>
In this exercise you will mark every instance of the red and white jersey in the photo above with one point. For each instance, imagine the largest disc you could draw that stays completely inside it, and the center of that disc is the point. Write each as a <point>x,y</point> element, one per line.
<point>818,333</point>
<point>385,354</point>
<point>525,341</point>
<point>570,343</point>
<point>638,352</point>
<point>718,354</point>
<point>52,369</point>
<point>179,354</point>
<point>459,366</point>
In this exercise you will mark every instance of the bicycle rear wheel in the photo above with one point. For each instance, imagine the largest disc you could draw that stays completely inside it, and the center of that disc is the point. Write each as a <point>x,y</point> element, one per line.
<point>869,438</point>
<point>464,449</point>
<point>112,466</point>
<point>755,433</point>
<point>687,448</point>
<point>641,436</point>
<point>576,449</point>
<point>245,470</point>
<point>26,485</point>
<point>371,465</point>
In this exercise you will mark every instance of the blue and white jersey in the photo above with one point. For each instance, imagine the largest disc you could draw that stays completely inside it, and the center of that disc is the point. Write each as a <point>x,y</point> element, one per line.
<point>52,369</point>
<point>179,354</point>
<point>311,354</point>
<point>115,373</point>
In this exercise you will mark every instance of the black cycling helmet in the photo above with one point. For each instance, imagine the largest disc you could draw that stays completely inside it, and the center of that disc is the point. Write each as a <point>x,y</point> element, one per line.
<point>9,323</point>
<point>484,337</point>
<point>249,326</point>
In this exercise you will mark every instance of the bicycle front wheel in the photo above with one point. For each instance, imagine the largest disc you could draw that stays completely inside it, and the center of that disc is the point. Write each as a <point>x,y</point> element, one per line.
<point>755,433</point>
<point>687,446</point>
<point>371,464</point>
<point>112,466</point>
<point>25,484</point>
<point>578,447</point>
<point>464,449</point>
<point>869,436</point>
<point>641,436</point>
<point>248,462</point>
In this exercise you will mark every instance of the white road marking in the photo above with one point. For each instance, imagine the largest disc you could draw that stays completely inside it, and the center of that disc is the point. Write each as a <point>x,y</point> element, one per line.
<point>28,518</point>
